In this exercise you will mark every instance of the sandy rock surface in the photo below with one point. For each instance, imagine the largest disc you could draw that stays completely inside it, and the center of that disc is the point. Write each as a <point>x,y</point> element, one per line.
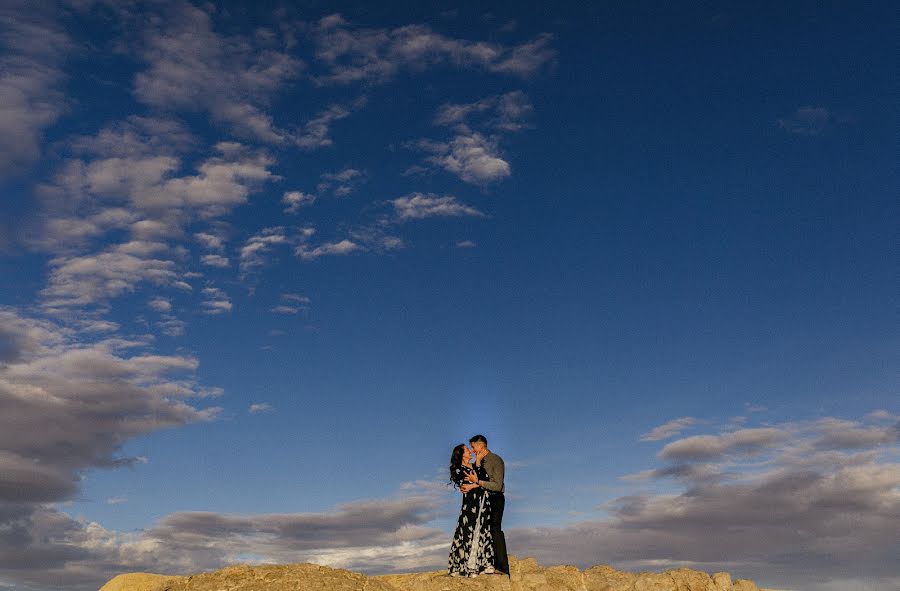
<point>525,575</point>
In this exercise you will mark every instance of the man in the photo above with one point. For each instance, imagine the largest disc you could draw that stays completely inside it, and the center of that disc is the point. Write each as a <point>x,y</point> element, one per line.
<point>493,465</point>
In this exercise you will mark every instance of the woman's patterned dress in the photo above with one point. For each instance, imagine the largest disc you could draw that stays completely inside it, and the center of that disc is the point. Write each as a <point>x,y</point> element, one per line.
<point>472,551</point>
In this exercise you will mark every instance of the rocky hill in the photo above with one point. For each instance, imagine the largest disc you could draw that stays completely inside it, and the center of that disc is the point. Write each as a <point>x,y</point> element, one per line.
<point>525,575</point>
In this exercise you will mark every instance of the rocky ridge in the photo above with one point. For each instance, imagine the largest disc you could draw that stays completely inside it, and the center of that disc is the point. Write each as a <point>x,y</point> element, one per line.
<point>525,575</point>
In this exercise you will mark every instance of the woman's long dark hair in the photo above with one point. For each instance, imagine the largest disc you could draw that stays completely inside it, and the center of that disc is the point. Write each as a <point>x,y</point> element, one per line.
<point>456,463</point>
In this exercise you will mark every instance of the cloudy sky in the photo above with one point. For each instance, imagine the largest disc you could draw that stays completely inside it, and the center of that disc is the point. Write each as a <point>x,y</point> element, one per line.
<point>263,265</point>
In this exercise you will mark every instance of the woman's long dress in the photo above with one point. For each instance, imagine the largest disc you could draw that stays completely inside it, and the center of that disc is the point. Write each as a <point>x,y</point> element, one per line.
<point>472,551</point>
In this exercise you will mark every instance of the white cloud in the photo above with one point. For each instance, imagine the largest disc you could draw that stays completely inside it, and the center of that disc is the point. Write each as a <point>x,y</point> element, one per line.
<point>801,513</point>
<point>252,254</point>
<point>668,429</point>
<point>295,297</point>
<point>344,175</point>
<point>353,54</point>
<point>807,121</point>
<point>70,406</point>
<point>259,407</point>
<point>158,202</point>
<point>31,98</point>
<point>137,136</point>
<point>160,304</point>
<point>193,68</point>
<point>216,301</point>
<point>503,112</point>
<point>375,237</point>
<point>315,132</point>
<point>844,434</point>
<point>171,326</point>
<point>215,260</point>
<point>222,183</point>
<point>297,303</point>
<point>340,247</point>
<point>294,200</point>
<point>742,441</point>
<point>377,535</point>
<point>882,415</point>
<point>474,158</point>
<point>77,281</point>
<point>342,182</point>
<point>472,155</point>
<point>466,244</point>
<point>422,205</point>
<point>210,241</point>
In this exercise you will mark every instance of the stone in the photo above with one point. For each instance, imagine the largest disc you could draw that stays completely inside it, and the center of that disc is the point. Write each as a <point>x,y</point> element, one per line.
<point>561,578</point>
<point>440,581</point>
<point>138,582</point>
<point>606,578</point>
<point>525,575</point>
<point>722,581</point>
<point>654,582</point>
<point>687,579</point>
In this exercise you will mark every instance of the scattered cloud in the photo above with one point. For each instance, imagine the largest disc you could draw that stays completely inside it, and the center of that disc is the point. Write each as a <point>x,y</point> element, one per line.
<point>160,304</point>
<point>804,517</point>
<point>668,429</point>
<point>34,47</point>
<point>210,241</point>
<point>340,247</point>
<point>315,133</point>
<point>137,136</point>
<point>742,441</point>
<point>380,535</point>
<point>882,415</point>
<point>78,281</point>
<point>191,67</point>
<point>252,254</point>
<point>354,54</point>
<point>171,325</point>
<point>259,408</point>
<point>342,182</point>
<point>422,205</point>
<point>70,406</point>
<point>807,121</point>
<point>503,112</point>
<point>808,508</point>
<point>296,297</point>
<point>377,237</point>
<point>474,158</point>
<point>215,260</point>
<point>296,303</point>
<point>215,301</point>
<point>158,202</point>
<point>844,434</point>
<point>294,200</point>
<point>466,244</point>
<point>473,153</point>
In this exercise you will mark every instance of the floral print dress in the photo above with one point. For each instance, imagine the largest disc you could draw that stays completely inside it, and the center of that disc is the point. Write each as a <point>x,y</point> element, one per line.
<point>472,551</point>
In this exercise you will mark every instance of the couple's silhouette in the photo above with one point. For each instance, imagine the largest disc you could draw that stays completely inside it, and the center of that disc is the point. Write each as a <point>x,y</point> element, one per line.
<point>479,546</point>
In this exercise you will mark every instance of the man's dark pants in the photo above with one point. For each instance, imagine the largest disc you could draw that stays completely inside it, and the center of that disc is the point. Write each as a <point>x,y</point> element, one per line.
<point>501,562</point>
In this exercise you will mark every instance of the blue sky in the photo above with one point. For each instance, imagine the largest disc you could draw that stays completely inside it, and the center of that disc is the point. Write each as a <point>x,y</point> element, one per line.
<point>263,267</point>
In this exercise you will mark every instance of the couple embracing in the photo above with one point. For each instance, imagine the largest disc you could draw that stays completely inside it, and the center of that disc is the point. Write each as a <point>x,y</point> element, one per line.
<point>479,546</point>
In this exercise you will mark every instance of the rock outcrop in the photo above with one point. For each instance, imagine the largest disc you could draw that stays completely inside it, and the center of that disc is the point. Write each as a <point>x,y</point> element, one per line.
<point>525,575</point>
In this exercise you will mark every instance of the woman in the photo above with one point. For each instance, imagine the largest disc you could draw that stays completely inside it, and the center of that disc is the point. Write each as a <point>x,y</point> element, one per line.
<point>472,551</point>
